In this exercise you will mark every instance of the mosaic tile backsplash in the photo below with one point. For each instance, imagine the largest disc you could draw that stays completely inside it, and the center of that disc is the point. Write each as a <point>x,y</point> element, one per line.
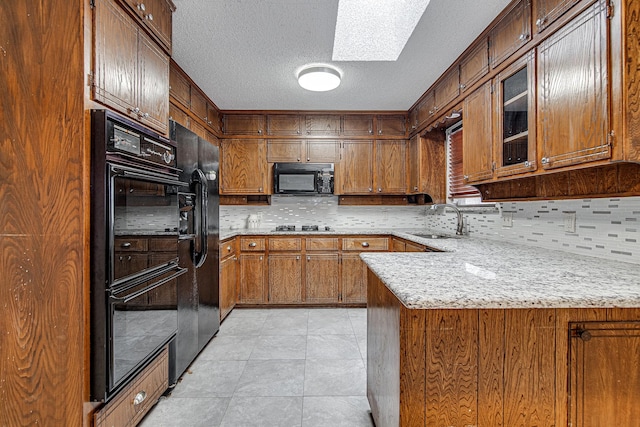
<point>605,228</point>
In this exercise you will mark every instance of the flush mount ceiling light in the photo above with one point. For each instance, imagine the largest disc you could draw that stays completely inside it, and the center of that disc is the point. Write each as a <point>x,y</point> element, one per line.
<point>319,78</point>
<point>374,30</point>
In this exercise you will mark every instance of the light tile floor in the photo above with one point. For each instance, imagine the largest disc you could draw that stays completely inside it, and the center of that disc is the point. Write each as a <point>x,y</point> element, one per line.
<point>275,367</point>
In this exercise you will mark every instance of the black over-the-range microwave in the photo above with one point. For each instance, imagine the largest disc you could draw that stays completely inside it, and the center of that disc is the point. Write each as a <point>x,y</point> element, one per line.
<point>303,178</point>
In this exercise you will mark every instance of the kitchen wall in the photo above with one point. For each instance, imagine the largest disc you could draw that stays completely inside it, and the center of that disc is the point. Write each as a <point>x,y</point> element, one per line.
<point>605,228</point>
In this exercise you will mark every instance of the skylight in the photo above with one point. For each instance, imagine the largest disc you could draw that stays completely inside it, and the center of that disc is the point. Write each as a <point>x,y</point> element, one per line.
<point>374,30</point>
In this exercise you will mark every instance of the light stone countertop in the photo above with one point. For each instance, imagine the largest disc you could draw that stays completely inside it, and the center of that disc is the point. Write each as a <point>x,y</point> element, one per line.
<point>479,273</point>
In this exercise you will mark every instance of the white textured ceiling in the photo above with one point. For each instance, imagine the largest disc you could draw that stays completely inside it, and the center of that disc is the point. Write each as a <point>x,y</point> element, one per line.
<point>245,54</point>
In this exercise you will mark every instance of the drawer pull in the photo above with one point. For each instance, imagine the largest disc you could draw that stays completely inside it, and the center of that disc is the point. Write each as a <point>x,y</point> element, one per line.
<point>125,245</point>
<point>252,245</point>
<point>365,244</point>
<point>229,248</point>
<point>139,398</point>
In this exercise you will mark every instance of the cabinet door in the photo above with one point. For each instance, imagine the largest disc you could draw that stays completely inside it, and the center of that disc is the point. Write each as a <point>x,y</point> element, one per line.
<point>284,124</point>
<point>447,89</point>
<point>425,108</point>
<point>573,97</point>
<point>228,285</point>
<point>604,384</point>
<point>321,151</point>
<point>179,87</point>
<point>477,153</point>
<point>322,124</point>
<point>322,274</point>
<point>153,89</point>
<point>285,279</point>
<point>213,117</point>
<point>414,165</point>
<point>243,124</point>
<point>179,116</point>
<point>357,125</point>
<point>158,18</point>
<point>354,279</point>
<point>198,129</point>
<point>432,180</point>
<point>284,150</point>
<point>390,172</point>
<point>252,275</point>
<point>546,12</point>
<point>199,104</point>
<point>391,125</point>
<point>511,32</point>
<point>356,167</point>
<point>474,65</point>
<point>243,166</point>
<point>515,109</point>
<point>115,57</point>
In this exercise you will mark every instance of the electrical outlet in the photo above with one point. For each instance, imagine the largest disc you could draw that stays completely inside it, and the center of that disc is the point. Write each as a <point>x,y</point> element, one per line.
<point>507,219</point>
<point>570,222</point>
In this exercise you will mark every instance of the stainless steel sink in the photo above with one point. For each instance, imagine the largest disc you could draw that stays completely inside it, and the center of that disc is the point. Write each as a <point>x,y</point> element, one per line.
<point>433,236</point>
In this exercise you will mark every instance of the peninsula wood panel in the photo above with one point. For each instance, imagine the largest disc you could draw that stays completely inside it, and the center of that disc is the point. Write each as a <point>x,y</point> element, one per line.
<point>353,278</point>
<point>490,368</point>
<point>285,279</point>
<point>414,407</point>
<point>43,279</point>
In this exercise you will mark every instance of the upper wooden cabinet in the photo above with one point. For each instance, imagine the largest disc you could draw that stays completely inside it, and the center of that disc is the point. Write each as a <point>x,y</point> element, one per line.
<point>511,32</point>
<point>179,87</point>
<point>199,105</point>
<point>367,167</point>
<point>284,124</point>
<point>426,161</point>
<point>356,168</point>
<point>446,90</point>
<point>392,125</point>
<point>573,100</point>
<point>295,150</point>
<point>131,73</point>
<point>322,124</point>
<point>355,125</point>
<point>390,173</point>
<point>243,167</point>
<point>545,12</point>
<point>475,64</point>
<point>243,124</point>
<point>477,142</point>
<point>156,17</point>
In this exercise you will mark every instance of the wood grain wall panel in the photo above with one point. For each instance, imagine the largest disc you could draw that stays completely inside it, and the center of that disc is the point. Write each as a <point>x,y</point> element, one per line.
<point>529,386</point>
<point>413,355</point>
<point>42,213</point>
<point>490,368</point>
<point>451,367</point>
<point>632,77</point>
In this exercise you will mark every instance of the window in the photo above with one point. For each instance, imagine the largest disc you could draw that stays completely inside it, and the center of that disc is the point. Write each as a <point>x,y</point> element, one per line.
<point>457,191</point>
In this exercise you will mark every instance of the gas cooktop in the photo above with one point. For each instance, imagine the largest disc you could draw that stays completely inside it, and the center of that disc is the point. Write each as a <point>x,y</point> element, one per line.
<point>302,228</point>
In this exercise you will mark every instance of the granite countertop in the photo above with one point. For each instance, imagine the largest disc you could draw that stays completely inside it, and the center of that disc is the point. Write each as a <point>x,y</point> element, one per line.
<point>480,273</point>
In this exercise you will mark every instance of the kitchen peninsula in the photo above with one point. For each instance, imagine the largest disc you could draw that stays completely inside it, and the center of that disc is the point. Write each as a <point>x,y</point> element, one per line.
<point>493,334</point>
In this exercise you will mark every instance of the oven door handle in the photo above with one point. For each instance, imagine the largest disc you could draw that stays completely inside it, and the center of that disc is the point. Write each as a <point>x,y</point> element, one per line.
<point>142,291</point>
<point>199,177</point>
<point>145,177</point>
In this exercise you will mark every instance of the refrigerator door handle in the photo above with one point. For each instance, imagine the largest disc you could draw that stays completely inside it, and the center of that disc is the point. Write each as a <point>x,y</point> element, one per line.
<point>199,177</point>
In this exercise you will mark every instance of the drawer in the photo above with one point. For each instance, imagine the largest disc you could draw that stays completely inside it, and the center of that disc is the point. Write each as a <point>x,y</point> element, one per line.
<point>321,244</point>
<point>131,244</point>
<point>151,383</point>
<point>252,244</point>
<point>163,244</point>
<point>365,244</point>
<point>227,248</point>
<point>285,244</point>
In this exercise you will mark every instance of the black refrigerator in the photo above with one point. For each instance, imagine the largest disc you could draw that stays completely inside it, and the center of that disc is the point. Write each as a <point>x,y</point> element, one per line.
<point>198,247</point>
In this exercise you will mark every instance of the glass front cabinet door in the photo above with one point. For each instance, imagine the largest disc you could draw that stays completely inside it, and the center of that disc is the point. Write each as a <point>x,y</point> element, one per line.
<point>515,119</point>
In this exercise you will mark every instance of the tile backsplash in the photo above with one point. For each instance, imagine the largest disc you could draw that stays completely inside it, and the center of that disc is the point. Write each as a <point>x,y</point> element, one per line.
<point>605,228</point>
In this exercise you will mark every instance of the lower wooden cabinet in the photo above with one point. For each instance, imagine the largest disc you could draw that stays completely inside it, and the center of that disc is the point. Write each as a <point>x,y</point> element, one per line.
<point>252,279</point>
<point>322,277</point>
<point>133,403</point>
<point>228,285</point>
<point>285,279</point>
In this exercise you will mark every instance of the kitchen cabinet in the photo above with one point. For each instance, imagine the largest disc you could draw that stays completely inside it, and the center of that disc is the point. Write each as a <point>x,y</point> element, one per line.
<point>357,125</point>
<point>514,112</point>
<point>425,153</point>
<point>356,167</point>
<point>199,105</point>
<point>322,277</point>
<point>390,173</point>
<point>545,12</point>
<point>228,277</point>
<point>510,33</point>
<point>293,150</point>
<point>179,116</point>
<point>446,90</point>
<point>474,64</point>
<point>243,167</point>
<point>354,270</point>
<point>322,124</point>
<point>321,151</point>
<point>477,143</point>
<point>402,245</point>
<point>420,115</point>
<point>251,289</point>
<point>243,124</point>
<point>604,383</point>
<point>285,278</point>
<point>392,125</point>
<point>179,87</point>
<point>155,15</point>
<point>284,124</point>
<point>573,98</point>
<point>130,72</point>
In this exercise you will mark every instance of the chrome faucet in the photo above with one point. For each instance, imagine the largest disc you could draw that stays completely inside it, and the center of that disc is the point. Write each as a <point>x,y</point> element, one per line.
<point>441,207</point>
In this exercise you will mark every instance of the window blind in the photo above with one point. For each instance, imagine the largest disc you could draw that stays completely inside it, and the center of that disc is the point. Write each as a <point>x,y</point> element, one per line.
<point>457,187</point>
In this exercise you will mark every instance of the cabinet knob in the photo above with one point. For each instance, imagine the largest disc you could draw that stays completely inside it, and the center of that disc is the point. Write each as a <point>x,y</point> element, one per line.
<point>466,177</point>
<point>524,36</point>
<point>527,164</point>
<point>260,189</point>
<point>298,258</point>
<point>260,258</point>
<point>541,21</point>
<point>229,248</point>
<point>129,258</point>
<point>149,17</point>
<point>298,158</point>
<point>252,245</point>
<point>141,7</point>
<point>544,160</point>
<point>379,190</point>
<point>415,188</point>
<point>462,86</point>
<point>259,131</point>
<point>370,189</point>
<point>125,245</point>
<point>308,258</point>
<point>308,159</point>
<point>365,244</point>
<point>584,335</point>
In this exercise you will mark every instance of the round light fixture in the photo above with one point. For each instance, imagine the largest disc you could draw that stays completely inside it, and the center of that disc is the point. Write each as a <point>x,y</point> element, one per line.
<point>319,78</point>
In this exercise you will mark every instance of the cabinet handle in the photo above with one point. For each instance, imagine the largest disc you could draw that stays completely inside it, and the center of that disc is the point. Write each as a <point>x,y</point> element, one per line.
<point>129,258</point>
<point>139,397</point>
<point>584,335</point>
<point>235,258</point>
<point>541,21</point>
<point>462,86</point>
<point>308,258</point>
<point>524,36</point>
<point>125,245</point>
<point>141,7</point>
<point>370,189</point>
<point>229,248</point>
<point>120,258</point>
<point>150,17</point>
<point>544,160</point>
<point>527,164</point>
<point>365,244</point>
<point>298,258</point>
<point>252,245</point>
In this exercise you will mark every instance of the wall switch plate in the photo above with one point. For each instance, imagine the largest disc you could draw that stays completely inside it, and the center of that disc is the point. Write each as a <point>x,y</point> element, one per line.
<point>570,222</point>
<point>507,219</point>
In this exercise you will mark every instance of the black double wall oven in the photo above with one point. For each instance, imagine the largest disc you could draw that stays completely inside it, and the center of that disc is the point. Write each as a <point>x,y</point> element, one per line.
<point>135,221</point>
